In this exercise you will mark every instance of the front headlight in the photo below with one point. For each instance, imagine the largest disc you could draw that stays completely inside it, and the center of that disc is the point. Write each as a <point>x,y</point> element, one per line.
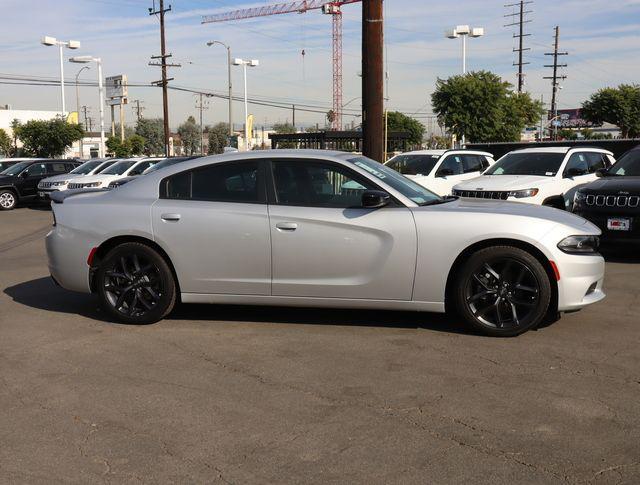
<point>579,244</point>
<point>521,194</point>
<point>578,197</point>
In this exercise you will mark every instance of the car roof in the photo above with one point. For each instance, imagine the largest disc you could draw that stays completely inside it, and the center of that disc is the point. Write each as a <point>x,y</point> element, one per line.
<point>562,149</point>
<point>441,152</point>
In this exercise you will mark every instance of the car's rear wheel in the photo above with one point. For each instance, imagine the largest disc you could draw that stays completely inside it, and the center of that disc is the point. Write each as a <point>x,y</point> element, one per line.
<point>502,291</point>
<point>8,200</point>
<point>135,284</point>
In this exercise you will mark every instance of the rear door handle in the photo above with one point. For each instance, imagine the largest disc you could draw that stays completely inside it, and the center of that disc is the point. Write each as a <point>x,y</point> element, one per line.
<point>170,217</point>
<point>286,226</point>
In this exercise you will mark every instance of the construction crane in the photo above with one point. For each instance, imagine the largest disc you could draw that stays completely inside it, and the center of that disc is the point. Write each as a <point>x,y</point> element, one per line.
<point>329,8</point>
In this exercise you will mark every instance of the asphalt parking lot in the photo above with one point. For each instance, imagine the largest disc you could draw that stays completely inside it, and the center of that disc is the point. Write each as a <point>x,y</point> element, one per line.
<point>266,395</point>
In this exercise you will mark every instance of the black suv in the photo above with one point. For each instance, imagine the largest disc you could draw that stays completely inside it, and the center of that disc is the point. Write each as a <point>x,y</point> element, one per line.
<point>613,202</point>
<point>19,182</point>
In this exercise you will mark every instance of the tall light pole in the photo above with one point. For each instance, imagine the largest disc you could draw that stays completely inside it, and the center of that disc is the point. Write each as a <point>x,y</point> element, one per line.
<point>464,31</point>
<point>98,61</point>
<point>210,43</point>
<point>244,63</point>
<point>78,106</point>
<point>70,44</point>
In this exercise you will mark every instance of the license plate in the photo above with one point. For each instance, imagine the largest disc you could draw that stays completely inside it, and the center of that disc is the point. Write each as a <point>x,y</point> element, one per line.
<point>619,224</point>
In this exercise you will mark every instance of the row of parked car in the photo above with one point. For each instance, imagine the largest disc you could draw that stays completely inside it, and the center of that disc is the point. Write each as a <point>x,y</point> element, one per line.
<point>585,180</point>
<point>28,179</point>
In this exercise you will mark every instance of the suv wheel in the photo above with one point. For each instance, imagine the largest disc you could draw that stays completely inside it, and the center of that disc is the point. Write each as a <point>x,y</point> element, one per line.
<point>502,291</point>
<point>135,284</point>
<point>8,200</point>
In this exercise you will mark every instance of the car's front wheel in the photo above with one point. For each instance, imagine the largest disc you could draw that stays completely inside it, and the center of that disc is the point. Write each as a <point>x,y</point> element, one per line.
<point>8,200</point>
<point>502,291</point>
<point>135,284</point>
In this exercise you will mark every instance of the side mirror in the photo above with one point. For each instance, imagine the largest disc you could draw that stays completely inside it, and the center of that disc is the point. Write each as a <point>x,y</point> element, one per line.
<point>574,172</point>
<point>602,172</point>
<point>374,199</point>
<point>445,172</point>
<point>23,175</point>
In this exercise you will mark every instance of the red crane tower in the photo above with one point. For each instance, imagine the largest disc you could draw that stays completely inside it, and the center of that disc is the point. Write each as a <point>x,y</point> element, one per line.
<point>332,8</point>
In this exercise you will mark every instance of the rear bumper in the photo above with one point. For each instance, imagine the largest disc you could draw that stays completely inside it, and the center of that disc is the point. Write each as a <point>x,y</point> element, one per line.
<point>66,261</point>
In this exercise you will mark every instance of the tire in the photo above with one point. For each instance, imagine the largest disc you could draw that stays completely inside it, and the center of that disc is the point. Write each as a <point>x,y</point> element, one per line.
<point>135,284</point>
<point>8,199</point>
<point>502,291</point>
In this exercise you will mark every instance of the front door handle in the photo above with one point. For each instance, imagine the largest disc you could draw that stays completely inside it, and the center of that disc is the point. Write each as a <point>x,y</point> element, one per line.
<point>170,217</point>
<point>286,226</point>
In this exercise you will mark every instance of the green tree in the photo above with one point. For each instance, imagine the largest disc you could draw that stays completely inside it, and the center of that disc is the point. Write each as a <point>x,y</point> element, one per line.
<point>190,135</point>
<point>15,127</point>
<point>482,107</point>
<point>619,106</point>
<point>49,138</point>
<point>136,144</point>
<point>118,148</point>
<point>152,130</point>
<point>397,121</point>
<point>285,128</point>
<point>5,143</point>
<point>217,136</point>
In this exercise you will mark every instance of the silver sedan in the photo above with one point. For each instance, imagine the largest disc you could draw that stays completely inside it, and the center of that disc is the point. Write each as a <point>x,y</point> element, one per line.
<point>319,229</point>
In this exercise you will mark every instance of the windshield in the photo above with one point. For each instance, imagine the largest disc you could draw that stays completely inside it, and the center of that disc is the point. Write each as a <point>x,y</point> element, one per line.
<point>413,164</point>
<point>162,164</point>
<point>16,169</point>
<point>545,164</point>
<point>118,168</point>
<point>5,165</point>
<point>86,167</point>
<point>402,184</point>
<point>629,165</point>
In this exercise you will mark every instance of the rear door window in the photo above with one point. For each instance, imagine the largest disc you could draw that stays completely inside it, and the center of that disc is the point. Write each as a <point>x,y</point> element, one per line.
<point>452,165</point>
<point>472,163</point>
<point>57,167</point>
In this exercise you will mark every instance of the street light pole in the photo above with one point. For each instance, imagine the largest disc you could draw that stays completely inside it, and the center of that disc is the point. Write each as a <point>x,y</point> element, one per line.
<point>244,64</point>
<point>78,106</point>
<point>210,43</point>
<point>464,31</point>
<point>70,44</point>
<point>98,61</point>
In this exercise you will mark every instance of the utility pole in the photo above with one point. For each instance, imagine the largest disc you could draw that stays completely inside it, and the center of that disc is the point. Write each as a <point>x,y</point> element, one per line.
<point>372,80</point>
<point>202,106</point>
<point>163,64</point>
<point>138,108</point>
<point>521,15</point>
<point>555,78</point>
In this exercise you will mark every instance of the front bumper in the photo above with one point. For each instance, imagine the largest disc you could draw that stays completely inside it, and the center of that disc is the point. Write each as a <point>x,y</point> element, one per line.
<point>615,237</point>
<point>581,281</point>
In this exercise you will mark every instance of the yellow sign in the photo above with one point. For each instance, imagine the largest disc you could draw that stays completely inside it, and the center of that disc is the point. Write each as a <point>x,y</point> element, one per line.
<point>72,117</point>
<point>250,126</point>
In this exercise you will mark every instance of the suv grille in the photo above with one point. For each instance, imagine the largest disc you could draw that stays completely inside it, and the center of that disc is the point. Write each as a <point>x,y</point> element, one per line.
<point>482,194</point>
<point>75,185</point>
<point>602,200</point>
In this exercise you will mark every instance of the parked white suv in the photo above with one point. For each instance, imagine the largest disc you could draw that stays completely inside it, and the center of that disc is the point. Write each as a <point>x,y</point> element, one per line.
<point>61,182</point>
<point>124,168</point>
<point>440,170</point>
<point>543,176</point>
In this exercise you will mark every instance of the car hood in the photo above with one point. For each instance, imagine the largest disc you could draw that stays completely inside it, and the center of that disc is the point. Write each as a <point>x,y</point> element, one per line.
<point>99,178</point>
<point>614,184</point>
<point>7,179</point>
<point>482,207</point>
<point>60,178</point>
<point>504,182</point>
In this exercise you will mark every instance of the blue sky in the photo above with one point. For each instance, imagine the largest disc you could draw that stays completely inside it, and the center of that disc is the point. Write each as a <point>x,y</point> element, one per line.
<point>601,36</point>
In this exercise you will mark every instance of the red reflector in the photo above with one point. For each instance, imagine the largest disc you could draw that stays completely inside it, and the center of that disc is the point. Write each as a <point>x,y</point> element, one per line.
<point>556,271</point>
<point>92,253</point>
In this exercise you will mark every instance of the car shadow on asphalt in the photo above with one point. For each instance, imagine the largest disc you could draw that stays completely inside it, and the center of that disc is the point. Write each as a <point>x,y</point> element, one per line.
<point>43,294</point>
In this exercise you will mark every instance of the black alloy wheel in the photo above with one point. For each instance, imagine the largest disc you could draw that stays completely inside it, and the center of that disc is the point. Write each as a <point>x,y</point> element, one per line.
<point>503,291</point>
<point>135,284</point>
